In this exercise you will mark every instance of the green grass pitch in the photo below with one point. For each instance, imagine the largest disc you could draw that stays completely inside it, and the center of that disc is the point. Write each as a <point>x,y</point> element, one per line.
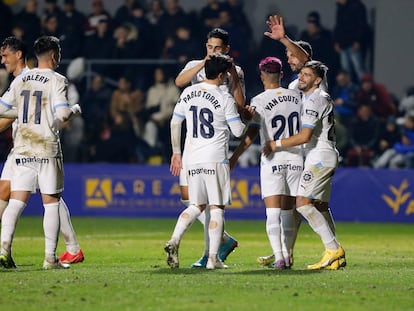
<point>125,269</point>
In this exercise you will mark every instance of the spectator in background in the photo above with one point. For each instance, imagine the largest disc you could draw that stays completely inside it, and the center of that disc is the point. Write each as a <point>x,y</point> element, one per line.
<point>390,134</point>
<point>239,18</point>
<point>183,46</point>
<point>173,18</point>
<point>406,105</point>
<point>375,95</point>
<point>364,134</point>
<point>50,26</point>
<point>401,154</point>
<point>29,22</point>
<point>160,102</point>
<point>51,8</point>
<point>343,95</point>
<point>128,102</point>
<point>100,45</point>
<point>154,16</point>
<point>124,12</point>
<point>209,15</point>
<point>72,24</point>
<point>239,49</point>
<point>351,34</point>
<point>95,112</point>
<point>321,40</point>
<point>143,28</point>
<point>6,18</point>
<point>98,13</point>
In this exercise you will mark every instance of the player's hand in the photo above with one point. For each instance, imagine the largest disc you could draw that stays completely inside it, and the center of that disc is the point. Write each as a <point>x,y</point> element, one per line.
<point>276,27</point>
<point>246,113</point>
<point>76,109</point>
<point>176,164</point>
<point>269,147</point>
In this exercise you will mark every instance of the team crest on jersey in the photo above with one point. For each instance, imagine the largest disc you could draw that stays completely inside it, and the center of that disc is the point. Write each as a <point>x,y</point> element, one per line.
<point>312,113</point>
<point>307,177</point>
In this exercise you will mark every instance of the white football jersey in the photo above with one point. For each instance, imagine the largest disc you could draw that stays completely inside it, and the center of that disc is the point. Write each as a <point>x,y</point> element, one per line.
<point>201,76</point>
<point>278,116</point>
<point>209,112</point>
<point>317,114</point>
<point>36,94</point>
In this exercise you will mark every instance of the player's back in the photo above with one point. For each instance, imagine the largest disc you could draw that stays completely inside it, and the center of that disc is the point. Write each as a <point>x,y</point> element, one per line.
<point>207,109</point>
<point>37,93</point>
<point>278,111</point>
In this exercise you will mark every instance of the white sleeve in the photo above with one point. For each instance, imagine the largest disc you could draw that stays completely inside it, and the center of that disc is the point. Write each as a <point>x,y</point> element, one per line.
<point>9,114</point>
<point>233,118</point>
<point>175,125</point>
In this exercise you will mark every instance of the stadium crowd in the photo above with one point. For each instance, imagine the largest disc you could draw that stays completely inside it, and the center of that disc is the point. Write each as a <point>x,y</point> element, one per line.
<point>127,107</point>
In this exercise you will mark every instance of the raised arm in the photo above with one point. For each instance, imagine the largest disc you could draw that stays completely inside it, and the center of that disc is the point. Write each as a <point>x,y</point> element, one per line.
<point>277,32</point>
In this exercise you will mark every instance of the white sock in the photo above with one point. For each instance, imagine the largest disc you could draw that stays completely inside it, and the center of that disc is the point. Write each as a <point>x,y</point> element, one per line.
<point>288,224</point>
<point>8,224</point>
<point>319,224</point>
<point>205,218</point>
<point>328,216</point>
<point>66,228</point>
<point>3,205</point>
<point>184,221</point>
<point>215,230</point>
<point>273,231</point>
<point>51,224</point>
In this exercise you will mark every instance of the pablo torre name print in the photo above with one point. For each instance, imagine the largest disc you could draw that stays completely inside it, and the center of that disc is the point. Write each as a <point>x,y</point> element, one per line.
<point>203,94</point>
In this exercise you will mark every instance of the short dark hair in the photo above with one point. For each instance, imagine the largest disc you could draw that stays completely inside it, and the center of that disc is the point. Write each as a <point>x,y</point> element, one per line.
<point>45,44</point>
<point>306,46</point>
<point>15,44</point>
<point>216,64</point>
<point>318,67</point>
<point>219,34</point>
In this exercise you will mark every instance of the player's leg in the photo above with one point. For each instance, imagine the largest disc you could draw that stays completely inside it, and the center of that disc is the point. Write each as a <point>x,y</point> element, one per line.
<point>73,253</point>
<point>184,222</point>
<point>218,192</point>
<point>17,203</point>
<point>273,230</point>
<point>5,183</point>
<point>4,195</point>
<point>215,230</point>
<point>319,188</point>
<point>51,182</point>
<point>22,181</point>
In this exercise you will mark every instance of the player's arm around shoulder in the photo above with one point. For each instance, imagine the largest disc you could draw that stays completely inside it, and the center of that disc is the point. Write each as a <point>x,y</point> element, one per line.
<point>188,73</point>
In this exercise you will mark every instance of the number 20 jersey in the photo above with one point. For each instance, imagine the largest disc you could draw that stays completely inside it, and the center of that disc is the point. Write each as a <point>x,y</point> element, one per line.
<point>36,94</point>
<point>278,116</point>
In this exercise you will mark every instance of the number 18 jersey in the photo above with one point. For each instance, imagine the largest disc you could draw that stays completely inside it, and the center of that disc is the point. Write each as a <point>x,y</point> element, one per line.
<point>209,112</point>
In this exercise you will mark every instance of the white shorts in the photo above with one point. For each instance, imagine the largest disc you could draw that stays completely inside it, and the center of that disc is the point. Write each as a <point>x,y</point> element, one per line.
<point>209,183</point>
<point>183,177</point>
<point>281,178</point>
<point>316,182</point>
<point>47,173</point>
<point>7,172</point>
